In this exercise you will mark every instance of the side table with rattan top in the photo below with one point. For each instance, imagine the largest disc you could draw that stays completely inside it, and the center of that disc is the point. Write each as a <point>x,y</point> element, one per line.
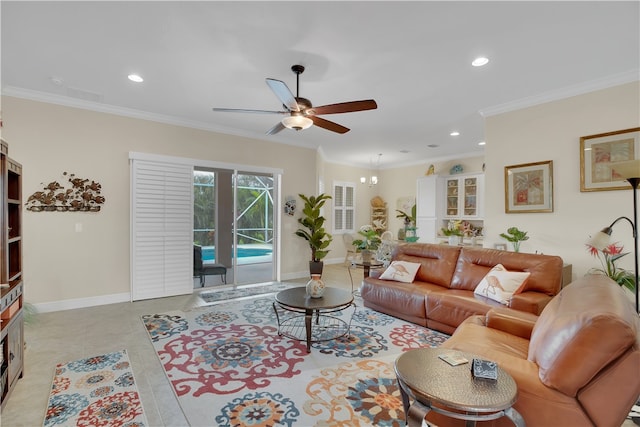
<point>436,386</point>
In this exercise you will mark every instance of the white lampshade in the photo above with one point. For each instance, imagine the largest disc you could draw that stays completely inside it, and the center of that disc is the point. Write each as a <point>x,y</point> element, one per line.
<point>627,169</point>
<point>297,122</point>
<point>601,239</point>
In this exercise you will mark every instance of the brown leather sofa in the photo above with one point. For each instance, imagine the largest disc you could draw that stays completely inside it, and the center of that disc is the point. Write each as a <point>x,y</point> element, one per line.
<point>577,364</point>
<point>441,296</point>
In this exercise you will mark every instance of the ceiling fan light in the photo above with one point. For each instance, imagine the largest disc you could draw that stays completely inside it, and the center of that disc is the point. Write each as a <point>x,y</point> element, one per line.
<point>480,61</point>
<point>297,122</point>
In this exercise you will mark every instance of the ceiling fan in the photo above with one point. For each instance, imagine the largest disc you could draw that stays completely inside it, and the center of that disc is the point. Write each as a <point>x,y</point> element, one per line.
<point>299,112</point>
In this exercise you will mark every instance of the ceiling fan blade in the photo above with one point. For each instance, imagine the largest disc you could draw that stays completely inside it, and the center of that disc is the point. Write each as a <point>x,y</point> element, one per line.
<point>283,93</point>
<point>241,110</point>
<point>328,125</point>
<point>344,107</point>
<point>277,128</point>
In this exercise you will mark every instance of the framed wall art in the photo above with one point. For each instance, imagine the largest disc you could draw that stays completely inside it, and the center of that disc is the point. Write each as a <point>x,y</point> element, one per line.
<point>529,187</point>
<point>599,152</point>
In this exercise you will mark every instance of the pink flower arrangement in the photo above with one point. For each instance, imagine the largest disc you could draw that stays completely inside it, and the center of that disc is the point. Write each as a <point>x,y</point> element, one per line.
<point>608,257</point>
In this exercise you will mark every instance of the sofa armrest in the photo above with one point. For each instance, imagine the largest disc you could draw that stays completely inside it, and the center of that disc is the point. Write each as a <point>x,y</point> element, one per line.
<point>513,322</point>
<point>530,302</point>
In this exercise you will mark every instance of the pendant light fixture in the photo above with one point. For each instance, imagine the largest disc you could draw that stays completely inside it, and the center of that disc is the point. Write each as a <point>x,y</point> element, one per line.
<point>373,179</point>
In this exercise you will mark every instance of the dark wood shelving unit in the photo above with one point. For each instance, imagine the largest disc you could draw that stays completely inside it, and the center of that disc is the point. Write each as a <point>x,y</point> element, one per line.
<point>11,299</point>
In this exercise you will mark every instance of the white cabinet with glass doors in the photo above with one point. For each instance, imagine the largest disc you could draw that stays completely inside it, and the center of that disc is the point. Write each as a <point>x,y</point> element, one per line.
<point>464,195</point>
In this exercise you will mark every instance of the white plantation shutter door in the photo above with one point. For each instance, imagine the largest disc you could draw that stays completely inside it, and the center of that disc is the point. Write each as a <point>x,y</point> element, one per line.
<point>161,229</point>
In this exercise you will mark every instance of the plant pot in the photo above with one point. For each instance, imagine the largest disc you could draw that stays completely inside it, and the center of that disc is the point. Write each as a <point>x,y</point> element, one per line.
<point>455,240</point>
<point>315,267</point>
<point>367,255</point>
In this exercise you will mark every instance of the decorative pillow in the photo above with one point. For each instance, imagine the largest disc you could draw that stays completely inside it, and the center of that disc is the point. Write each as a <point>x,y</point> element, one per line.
<point>401,271</point>
<point>500,285</point>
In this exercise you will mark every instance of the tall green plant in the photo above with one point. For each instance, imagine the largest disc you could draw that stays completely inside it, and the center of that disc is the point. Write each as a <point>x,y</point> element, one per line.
<point>313,223</point>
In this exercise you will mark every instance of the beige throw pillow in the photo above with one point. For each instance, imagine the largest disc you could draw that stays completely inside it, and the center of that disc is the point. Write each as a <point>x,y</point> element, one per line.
<point>401,271</point>
<point>500,285</point>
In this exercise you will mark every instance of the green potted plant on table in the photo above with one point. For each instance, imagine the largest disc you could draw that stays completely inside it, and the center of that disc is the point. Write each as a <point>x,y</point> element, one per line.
<point>313,231</point>
<point>368,243</point>
<point>515,236</point>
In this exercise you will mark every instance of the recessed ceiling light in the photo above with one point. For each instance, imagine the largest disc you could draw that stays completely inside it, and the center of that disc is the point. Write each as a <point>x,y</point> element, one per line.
<point>479,62</point>
<point>433,145</point>
<point>135,78</point>
<point>481,143</point>
<point>56,81</point>
<point>454,133</point>
<point>405,151</point>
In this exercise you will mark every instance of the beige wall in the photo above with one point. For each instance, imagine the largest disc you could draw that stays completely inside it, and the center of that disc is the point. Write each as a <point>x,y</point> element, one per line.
<point>394,183</point>
<point>552,131</point>
<point>62,264</point>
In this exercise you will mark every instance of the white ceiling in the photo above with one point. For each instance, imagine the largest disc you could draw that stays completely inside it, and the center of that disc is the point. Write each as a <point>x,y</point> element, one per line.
<point>413,58</point>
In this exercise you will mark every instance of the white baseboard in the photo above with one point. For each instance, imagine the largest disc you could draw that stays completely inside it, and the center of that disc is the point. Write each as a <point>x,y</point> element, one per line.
<point>71,304</point>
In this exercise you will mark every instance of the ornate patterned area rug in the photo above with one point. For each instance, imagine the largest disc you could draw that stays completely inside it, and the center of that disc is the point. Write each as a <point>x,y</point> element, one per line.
<point>228,366</point>
<point>222,295</point>
<point>98,391</point>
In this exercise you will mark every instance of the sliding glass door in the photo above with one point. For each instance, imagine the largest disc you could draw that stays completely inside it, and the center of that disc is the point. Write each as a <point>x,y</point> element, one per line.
<point>254,227</point>
<point>234,221</point>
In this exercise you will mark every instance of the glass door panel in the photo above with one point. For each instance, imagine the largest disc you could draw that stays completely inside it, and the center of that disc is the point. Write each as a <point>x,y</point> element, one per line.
<point>470,196</point>
<point>254,234</point>
<point>452,197</point>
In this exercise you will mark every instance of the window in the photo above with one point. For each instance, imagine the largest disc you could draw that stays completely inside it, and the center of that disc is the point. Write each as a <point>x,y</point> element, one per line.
<point>344,210</point>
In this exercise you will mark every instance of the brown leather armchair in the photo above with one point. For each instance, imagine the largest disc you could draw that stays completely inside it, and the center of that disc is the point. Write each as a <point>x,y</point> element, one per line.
<point>577,364</point>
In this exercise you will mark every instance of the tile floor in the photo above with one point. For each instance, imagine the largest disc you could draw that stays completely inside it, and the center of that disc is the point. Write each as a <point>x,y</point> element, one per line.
<point>73,334</point>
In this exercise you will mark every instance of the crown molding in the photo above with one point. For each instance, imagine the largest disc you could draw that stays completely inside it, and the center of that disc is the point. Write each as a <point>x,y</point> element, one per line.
<point>82,104</point>
<point>566,92</point>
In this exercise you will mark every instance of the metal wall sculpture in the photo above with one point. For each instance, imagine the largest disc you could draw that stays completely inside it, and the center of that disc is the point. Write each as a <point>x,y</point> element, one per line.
<point>78,195</point>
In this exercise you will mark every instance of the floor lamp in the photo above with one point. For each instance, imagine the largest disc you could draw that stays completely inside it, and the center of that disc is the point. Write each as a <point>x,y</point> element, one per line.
<point>629,170</point>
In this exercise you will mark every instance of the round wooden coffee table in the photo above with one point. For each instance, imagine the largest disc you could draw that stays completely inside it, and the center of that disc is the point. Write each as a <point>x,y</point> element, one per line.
<point>297,311</point>
<point>434,385</point>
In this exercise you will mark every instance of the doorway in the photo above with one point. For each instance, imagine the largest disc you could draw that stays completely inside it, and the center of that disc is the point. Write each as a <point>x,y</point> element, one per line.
<point>234,222</point>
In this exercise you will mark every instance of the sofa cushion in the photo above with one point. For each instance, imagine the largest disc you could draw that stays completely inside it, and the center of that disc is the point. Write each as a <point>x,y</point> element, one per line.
<point>592,315</point>
<point>403,300</point>
<point>450,307</point>
<point>500,284</point>
<point>437,262</point>
<point>401,271</point>
<point>474,263</point>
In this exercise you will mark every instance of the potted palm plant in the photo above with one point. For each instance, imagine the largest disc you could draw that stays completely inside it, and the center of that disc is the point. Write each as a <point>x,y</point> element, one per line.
<point>313,231</point>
